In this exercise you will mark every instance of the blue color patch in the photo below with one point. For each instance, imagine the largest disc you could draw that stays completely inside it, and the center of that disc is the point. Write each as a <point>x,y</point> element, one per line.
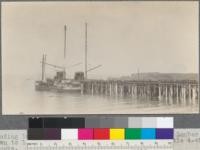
<point>148,133</point>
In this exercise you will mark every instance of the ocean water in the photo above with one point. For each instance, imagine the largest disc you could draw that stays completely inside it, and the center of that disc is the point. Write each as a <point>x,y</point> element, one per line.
<point>19,97</point>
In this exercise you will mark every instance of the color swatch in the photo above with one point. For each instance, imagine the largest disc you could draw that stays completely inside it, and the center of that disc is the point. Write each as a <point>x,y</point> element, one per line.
<point>117,134</point>
<point>85,134</point>
<point>102,122</point>
<point>132,133</point>
<point>102,128</point>
<point>52,134</point>
<point>148,133</point>
<point>164,133</point>
<point>69,134</point>
<point>101,134</point>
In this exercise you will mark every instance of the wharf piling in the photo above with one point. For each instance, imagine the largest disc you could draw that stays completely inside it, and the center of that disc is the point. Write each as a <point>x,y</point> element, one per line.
<point>186,91</point>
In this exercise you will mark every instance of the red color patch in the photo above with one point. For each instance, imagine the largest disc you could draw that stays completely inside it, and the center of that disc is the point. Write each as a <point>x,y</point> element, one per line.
<point>101,134</point>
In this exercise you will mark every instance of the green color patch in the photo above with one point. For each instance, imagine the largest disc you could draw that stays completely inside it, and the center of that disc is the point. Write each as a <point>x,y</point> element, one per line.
<point>132,133</point>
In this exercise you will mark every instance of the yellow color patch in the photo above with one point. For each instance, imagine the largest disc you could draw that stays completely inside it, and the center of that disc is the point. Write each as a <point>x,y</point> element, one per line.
<point>117,134</point>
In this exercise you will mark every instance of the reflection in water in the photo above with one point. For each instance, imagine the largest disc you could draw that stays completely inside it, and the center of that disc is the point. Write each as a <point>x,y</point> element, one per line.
<point>20,97</point>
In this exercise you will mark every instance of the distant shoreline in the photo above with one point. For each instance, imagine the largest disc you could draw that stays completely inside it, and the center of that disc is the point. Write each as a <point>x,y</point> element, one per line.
<point>155,76</point>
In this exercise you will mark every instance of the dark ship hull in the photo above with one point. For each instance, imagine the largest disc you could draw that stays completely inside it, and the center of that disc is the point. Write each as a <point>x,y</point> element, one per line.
<point>42,86</point>
<point>61,84</point>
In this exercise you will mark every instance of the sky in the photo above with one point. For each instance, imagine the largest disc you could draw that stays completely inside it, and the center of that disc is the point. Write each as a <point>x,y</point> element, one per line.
<point>122,37</point>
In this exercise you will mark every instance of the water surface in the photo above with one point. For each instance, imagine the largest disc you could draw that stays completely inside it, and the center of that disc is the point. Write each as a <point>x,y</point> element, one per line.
<point>20,97</point>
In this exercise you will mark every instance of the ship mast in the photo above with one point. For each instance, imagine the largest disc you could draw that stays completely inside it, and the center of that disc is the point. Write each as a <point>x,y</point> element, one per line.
<point>43,66</point>
<point>65,38</point>
<point>65,45</point>
<point>86,50</point>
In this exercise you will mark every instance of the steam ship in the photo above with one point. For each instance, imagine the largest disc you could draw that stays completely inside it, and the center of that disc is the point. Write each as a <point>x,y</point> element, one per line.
<point>59,82</point>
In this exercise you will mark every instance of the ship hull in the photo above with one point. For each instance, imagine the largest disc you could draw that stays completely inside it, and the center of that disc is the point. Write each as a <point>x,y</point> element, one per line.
<point>57,89</point>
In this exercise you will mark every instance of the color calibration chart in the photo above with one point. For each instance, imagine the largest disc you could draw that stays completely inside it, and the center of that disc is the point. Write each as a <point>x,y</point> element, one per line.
<point>103,133</point>
<point>184,139</point>
<point>135,133</point>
